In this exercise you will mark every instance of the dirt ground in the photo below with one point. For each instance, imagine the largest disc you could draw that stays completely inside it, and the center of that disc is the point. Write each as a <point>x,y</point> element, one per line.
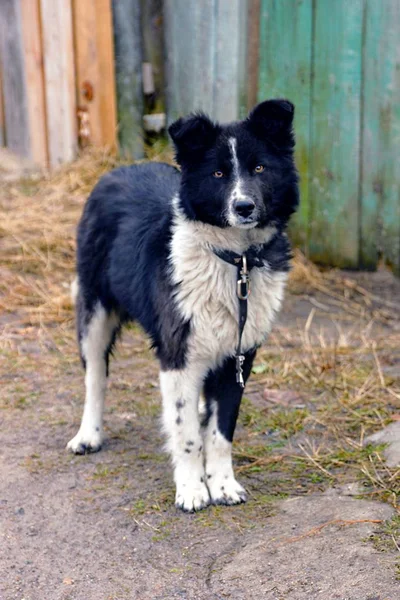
<point>322,520</point>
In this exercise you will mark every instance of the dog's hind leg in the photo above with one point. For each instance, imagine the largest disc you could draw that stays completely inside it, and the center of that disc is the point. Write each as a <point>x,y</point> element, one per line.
<point>223,396</point>
<point>180,390</point>
<point>96,334</point>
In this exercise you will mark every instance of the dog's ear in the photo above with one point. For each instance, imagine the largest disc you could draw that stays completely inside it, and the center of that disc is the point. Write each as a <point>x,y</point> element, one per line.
<point>273,119</point>
<point>192,135</point>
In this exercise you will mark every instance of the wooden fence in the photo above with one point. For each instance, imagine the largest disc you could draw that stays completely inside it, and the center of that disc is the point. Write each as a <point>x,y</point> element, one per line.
<point>337,60</point>
<point>58,82</point>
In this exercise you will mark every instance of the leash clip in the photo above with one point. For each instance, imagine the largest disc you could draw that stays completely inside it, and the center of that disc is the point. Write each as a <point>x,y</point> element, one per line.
<point>239,369</point>
<point>243,284</point>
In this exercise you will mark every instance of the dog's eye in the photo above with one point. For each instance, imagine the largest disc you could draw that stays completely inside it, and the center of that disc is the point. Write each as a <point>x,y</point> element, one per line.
<point>218,174</point>
<point>259,169</point>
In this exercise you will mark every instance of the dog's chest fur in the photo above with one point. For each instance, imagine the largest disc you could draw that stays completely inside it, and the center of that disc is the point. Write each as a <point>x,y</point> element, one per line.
<point>206,289</point>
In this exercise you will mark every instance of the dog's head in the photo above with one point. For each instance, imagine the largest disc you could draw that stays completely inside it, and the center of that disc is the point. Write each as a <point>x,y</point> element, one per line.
<point>242,174</point>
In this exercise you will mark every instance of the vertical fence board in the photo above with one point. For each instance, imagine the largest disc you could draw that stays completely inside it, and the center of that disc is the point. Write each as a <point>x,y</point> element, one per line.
<point>14,83</point>
<point>106,58</point>
<point>2,125</point>
<point>253,51</point>
<point>380,216</point>
<point>285,71</point>
<point>153,48</point>
<point>185,75</point>
<point>335,137</point>
<point>171,67</point>
<point>59,80</point>
<point>184,64</point>
<point>228,48</point>
<point>189,36</point>
<point>94,60</point>
<point>88,80</point>
<point>242,63</point>
<point>128,65</point>
<point>33,62</point>
<point>206,57</point>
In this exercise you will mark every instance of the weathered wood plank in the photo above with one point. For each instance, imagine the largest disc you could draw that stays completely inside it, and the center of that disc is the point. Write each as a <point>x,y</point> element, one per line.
<point>88,80</point>
<point>171,92</point>
<point>285,72</point>
<point>153,50</point>
<point>206,57</point>
<point>2,123</point>
<point>14,83</point>
<point>33,63</point>
<point>253,51</point>
<point>59,80</point>
<point>228,82</point>
<point>106,64</point>
<point>242,63</point>
<point>335,136</point>
<point>95,77</point>
<point>183,62</point>
<point>128,59</point>
<point>380,214</point>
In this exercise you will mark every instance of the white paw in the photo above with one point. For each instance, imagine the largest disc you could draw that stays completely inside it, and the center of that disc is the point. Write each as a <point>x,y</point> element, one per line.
<point>85,441</point>
<point>224,489</point>
<point>192,497</point>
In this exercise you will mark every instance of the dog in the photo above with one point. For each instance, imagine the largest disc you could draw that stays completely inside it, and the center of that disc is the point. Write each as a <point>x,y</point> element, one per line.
<point>177,251</point>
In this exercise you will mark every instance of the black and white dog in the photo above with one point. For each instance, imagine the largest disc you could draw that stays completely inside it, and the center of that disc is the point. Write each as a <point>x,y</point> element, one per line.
<point>167,248</point>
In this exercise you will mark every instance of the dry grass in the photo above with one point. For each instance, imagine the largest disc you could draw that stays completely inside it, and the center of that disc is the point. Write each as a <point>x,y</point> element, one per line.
<point>37,233</point>
<point>339,394</point>
<point>340,377</point>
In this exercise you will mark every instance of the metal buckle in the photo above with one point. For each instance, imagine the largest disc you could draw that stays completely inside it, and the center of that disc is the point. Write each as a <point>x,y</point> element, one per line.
<point>243,284</point>
<point>239,370</point>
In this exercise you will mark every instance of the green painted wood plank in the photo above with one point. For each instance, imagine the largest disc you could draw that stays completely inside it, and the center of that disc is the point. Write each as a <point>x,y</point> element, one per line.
<point>380,209</point>
<point>335,132</point>
<point>128,68</point>
<point>285,71</point>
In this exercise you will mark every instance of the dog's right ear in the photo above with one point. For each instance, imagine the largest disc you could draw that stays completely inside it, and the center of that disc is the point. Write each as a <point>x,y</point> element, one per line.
<point>192,135</point>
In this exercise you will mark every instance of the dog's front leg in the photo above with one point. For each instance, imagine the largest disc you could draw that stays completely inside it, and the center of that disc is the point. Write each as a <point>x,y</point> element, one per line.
<point>180,392</point>
<point>223,396</point>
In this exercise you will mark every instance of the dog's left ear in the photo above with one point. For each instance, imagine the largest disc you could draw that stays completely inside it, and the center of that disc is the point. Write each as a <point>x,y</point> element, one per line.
<point>272,119</point>
<point>192,136</point>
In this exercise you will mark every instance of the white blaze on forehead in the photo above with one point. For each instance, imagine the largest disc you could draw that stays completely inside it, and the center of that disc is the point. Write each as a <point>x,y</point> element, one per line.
<point>233,146</point>
<point>237,193</point>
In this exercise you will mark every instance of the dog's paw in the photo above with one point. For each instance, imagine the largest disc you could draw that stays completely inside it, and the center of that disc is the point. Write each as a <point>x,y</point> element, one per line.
<point>85,441</point>
<point>226,490</point>
<point>191,498</point>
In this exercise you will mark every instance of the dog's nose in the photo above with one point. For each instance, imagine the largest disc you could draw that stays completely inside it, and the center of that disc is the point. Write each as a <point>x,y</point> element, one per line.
<point>244,207</point>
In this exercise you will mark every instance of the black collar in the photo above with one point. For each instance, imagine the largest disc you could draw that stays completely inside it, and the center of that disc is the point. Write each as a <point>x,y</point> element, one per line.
<point>252,254</point>
<point>274,254</point>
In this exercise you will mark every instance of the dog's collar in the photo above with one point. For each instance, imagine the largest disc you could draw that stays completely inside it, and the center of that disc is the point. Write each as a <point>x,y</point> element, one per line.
<point>252,256</point>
